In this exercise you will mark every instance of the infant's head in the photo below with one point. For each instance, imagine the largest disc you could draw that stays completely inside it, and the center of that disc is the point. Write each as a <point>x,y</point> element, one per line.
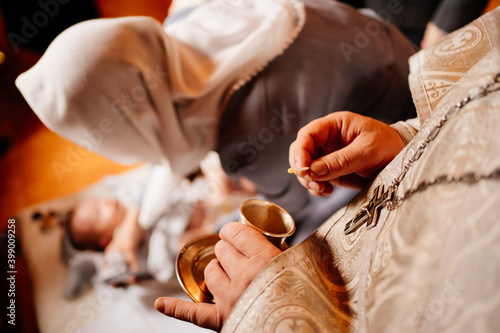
<point>94,221</point>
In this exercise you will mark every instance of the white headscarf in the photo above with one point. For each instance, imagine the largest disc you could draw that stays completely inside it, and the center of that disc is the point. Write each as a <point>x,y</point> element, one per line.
<point>134,91</point>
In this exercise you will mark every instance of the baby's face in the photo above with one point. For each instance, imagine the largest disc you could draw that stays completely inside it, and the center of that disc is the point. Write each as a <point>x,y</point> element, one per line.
<point>94,221</point>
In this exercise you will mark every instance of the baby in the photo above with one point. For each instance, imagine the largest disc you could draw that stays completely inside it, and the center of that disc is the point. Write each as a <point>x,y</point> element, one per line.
<point>105,242</point>
<point>94,221</point>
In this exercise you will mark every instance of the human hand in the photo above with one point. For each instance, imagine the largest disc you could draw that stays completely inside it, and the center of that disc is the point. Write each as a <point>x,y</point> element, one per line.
<point>122,243</point>
<point>342,149</point>
<point>126,240</point>
<point>241,253</point>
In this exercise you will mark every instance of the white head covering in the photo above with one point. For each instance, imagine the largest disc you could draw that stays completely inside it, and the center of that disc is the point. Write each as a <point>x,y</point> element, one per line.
<point>129,91</point>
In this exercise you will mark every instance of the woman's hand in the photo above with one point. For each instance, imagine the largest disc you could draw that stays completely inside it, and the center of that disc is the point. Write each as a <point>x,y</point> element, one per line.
<point>241,253</point>
<point>342,149</point>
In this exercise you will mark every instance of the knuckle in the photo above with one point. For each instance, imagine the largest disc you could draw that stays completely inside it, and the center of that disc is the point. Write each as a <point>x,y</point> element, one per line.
<point>341,160</point>
<point>210,273</point>
<point>328,189</point>
<point>176,311</point>
<point>247,276</point>
<point>192,314</point>
<point>218,248</point>
<point>221,248</point>
<point>239,233</point>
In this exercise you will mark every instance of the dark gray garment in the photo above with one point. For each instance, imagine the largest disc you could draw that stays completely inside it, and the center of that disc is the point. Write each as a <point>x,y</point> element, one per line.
<point>314,77</point>
<point>413,15</point>
<point>454,14</point>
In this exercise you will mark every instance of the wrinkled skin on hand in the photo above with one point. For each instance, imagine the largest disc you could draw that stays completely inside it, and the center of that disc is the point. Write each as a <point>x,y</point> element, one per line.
<point>342,149</point>
<point>241,253</point>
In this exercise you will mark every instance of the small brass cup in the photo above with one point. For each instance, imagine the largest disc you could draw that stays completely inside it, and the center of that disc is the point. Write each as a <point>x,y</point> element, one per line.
<point>275,223</point>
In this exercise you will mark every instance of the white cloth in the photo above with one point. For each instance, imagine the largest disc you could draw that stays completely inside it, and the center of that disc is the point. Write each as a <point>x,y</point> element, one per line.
<point>163,96</point>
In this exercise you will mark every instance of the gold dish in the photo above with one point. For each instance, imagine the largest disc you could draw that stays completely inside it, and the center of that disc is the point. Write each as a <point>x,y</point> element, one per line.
<point>190,267</point>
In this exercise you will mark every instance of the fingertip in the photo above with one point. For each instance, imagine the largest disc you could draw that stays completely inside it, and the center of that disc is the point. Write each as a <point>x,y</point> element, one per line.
<point>229,228</point>
<point>320,189</point>
<point>200,314</point>
<point>316,194</point>
<point>160,305</point>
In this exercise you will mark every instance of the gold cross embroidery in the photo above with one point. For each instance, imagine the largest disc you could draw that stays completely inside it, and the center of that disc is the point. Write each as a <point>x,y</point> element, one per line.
<point>369,212</point>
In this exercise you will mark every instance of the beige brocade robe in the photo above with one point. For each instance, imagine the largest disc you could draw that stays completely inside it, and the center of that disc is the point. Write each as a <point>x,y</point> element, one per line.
<point>432,264</point>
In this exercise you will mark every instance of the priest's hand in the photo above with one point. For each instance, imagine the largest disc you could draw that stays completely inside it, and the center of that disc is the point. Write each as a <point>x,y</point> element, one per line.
<point>342,149</point>
<point>241,253</point>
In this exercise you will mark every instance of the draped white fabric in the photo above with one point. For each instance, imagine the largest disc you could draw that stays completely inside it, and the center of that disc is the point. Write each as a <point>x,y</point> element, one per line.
<point>133,91</point>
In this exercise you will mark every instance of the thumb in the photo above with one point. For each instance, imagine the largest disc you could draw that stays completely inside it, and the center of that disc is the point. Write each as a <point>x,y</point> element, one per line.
<point>351,159</point>
<point>201,314</point>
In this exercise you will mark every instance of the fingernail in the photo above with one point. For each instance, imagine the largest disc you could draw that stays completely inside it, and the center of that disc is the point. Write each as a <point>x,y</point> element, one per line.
<point>319,168</point>
<point>314,186</point>
<point>160,305</point>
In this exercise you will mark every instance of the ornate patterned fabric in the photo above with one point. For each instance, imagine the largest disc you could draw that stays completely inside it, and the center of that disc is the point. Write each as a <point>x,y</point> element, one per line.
<point>433,263</point>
